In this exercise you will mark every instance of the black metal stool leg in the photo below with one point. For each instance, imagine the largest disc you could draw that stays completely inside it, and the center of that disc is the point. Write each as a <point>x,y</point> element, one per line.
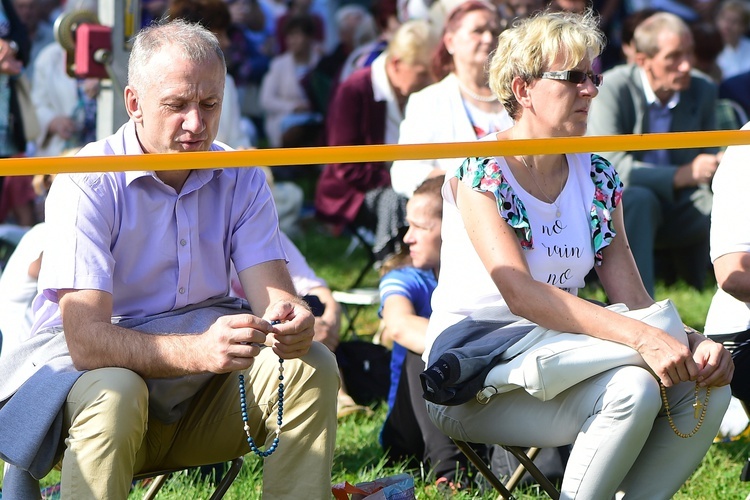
<point>540,478</point>
<point>526,459</point>
<point>477,461</point>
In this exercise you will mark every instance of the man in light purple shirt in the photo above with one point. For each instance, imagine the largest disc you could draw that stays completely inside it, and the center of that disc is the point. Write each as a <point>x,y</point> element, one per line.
<point>136,275</point>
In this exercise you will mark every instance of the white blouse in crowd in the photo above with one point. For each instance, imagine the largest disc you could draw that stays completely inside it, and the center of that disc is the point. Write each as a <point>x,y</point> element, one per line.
<point>734,60</point>
<point>435,114</point>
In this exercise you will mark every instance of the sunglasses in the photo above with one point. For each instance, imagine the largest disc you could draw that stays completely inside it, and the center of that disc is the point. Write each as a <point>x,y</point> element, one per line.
<point>572,76</point>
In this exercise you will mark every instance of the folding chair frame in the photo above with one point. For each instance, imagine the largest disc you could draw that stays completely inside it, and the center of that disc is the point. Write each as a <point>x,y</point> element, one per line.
<point>526,459</point>
<point>161,477</point>
<point>352,302</point>
<point>371,259</point>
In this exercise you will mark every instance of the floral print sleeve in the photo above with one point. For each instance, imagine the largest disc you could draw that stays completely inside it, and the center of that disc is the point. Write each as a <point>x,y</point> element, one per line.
<point>485,175</point>
<point>607,196</point>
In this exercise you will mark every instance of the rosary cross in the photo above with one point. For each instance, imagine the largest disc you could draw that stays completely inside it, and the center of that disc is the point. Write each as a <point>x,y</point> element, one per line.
<point>697,406</point>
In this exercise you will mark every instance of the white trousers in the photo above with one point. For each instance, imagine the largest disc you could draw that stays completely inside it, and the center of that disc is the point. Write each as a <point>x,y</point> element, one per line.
<point>623,445</point>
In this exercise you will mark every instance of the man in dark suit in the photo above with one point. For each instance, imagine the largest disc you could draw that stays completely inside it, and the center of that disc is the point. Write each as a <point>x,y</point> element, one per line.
<point>667,198</point>
<point>737,89</point>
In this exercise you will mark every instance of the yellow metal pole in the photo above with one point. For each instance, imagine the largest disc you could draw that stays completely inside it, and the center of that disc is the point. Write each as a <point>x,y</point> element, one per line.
<point>359,154</point>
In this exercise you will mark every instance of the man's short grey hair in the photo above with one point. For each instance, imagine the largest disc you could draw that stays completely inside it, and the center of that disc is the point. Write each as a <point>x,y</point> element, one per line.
<point>646,34</point>
<point>196,43</point>
<point>364,30</point>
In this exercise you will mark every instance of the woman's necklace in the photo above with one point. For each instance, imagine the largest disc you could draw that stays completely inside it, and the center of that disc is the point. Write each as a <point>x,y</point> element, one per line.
<point>533,178</point>
<point>476,97</point>
<point>279,414</point>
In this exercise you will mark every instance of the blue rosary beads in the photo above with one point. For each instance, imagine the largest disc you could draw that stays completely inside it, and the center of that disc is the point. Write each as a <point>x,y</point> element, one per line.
<point>279,415</point>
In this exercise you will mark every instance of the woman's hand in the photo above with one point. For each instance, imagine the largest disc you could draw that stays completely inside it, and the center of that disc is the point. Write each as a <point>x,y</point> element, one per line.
<point>62,126</point>
<point>715,365</point>
<point>91,87</point>
<point>327,333</point>
<point>8,62</point>
<point>328,325</point>
<point>670,360</point>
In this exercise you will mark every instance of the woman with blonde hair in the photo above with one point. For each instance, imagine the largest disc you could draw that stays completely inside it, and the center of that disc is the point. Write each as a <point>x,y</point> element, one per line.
<point>520,233</point>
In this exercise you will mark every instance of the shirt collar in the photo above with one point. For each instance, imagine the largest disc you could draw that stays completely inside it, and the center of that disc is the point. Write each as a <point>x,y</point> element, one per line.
<point>196,179</point>
<point>651,96</point>
<point>133,147</point>
<point>381,87</point>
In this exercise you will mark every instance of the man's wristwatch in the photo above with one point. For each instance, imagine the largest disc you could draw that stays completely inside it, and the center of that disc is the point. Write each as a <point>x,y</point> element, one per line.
<point>13,46</point>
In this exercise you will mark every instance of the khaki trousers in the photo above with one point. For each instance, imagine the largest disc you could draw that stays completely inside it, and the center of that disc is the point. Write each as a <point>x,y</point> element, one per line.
<point>110,436</point>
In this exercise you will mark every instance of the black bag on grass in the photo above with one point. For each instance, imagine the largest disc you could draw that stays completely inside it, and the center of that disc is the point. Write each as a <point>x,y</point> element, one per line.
<point>365,370</point>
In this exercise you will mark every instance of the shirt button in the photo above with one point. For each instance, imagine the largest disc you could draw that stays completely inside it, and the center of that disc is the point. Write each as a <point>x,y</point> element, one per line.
<point>183,242</point>
<point>182,290</point>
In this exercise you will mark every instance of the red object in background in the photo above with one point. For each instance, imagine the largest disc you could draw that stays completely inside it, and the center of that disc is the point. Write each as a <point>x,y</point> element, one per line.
<point>91,38</point>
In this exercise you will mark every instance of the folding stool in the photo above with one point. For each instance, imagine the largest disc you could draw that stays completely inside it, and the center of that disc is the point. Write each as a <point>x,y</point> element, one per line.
<point>526,459</point>
<point>160,477</point>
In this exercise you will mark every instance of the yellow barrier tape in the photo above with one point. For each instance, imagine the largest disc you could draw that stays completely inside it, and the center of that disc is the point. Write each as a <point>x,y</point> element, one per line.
<point>360,154</point>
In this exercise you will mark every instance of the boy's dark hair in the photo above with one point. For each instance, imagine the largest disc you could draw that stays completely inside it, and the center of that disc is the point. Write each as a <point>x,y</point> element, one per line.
<point>302,23</point>
<point>431,186</point>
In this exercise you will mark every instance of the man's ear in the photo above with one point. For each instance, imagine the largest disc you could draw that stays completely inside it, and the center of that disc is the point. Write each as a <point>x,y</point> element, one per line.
<point>394,63</point>
<point>132,104</point>
<point>400,66</point>
<point>641,59</point>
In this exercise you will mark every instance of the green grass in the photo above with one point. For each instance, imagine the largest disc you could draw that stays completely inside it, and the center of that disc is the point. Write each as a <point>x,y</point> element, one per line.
<point>358,456</point>
<point>692,304</point>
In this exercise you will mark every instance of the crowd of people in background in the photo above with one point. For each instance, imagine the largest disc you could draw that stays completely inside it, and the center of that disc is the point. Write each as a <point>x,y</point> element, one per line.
<point>292,66</point>
<point>367,72</point>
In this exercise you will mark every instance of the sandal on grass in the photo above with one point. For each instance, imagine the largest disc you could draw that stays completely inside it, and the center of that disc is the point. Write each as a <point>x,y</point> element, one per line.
<point>345,406</point>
